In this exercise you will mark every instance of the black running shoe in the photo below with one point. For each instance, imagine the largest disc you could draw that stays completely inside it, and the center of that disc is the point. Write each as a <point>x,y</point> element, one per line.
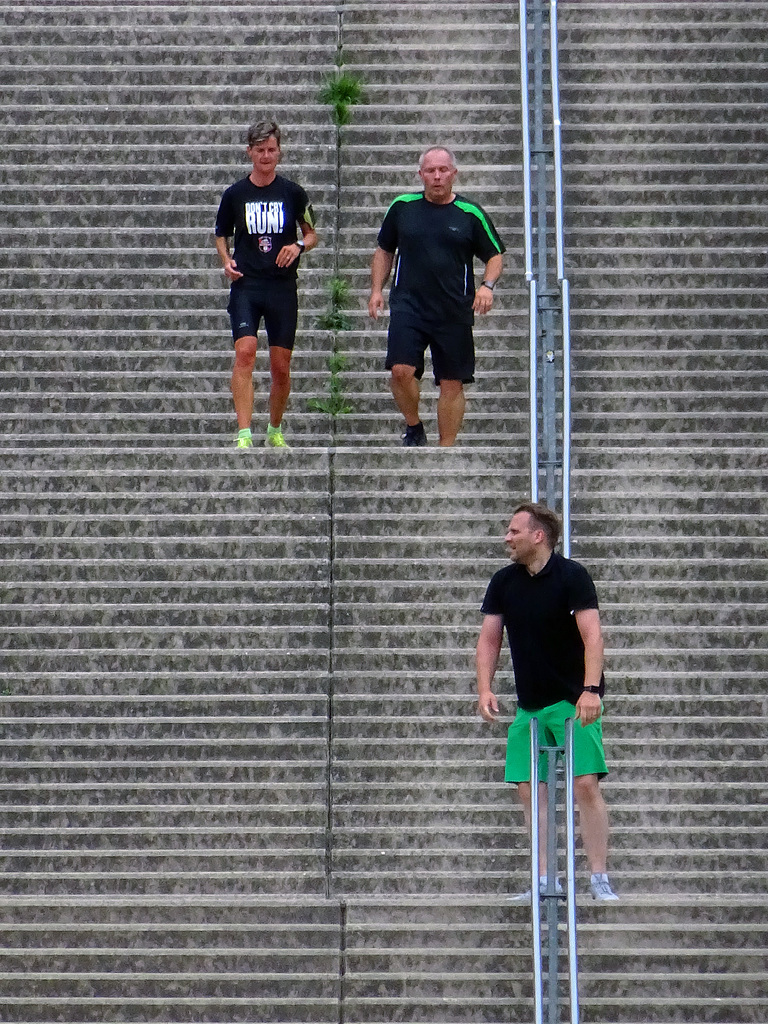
<point>415,437</point>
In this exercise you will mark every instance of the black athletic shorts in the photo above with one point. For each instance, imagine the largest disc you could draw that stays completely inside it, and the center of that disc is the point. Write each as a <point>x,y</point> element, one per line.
<point>273,300</point>
<point>452,347</point>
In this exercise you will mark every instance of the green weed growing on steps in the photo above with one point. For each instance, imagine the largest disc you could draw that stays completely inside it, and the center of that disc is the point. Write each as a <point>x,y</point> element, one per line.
<point>341,91</point>
<point>336,403</point>
<point>335,319</point>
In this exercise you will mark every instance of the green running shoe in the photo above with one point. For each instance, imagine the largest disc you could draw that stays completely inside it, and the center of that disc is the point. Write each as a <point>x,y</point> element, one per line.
<point>244,439</point>
<point>275,439</point>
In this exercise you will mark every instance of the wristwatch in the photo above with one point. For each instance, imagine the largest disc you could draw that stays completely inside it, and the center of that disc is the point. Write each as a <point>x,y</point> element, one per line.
<point>300,244</point>
<point>488,284</point>
<point>592,689</point>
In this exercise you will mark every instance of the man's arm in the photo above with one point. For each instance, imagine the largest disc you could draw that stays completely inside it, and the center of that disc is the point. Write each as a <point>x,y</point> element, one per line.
<point>484,296</point>
<point>230,267</point>
<point>486,663</point>
<point>309,235</point>
<point>588,706</point>
<point>291,252</point>
<point>381,268</point>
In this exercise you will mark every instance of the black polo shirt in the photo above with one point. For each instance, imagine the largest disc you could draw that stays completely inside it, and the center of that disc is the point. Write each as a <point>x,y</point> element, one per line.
<point>436,244</point>
<point>544,640</point>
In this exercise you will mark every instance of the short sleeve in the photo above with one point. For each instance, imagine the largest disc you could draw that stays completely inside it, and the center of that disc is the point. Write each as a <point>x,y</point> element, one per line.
<point>304,212</point>
<point>581,590</point>
<point>487,242</point>
<point>492,602</point>
<point>225,218</point>
<point>387,239</point>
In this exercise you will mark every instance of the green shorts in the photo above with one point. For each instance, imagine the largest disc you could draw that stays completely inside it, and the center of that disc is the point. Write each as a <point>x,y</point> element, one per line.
<point>588,753</point>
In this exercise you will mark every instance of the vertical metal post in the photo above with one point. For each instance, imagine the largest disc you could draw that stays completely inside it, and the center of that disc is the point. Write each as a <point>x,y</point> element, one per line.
<point>538,985</point>
<point>526,139</point>
<point>565,300</point>
<point>554,75</point>
<point>541,153</point>
<point>533,408</point>
<point>550,894</point>
<point>565,291</point>
<point>548,338</point>
<point>570,874</point>
<point>533,326</point>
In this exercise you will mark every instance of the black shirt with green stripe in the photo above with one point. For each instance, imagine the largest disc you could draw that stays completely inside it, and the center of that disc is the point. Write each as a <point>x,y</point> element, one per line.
<point>436,243</point>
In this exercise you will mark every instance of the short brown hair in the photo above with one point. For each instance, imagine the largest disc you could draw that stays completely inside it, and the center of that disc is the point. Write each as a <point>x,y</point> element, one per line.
<point>263,130</point>
<point>544,518</point>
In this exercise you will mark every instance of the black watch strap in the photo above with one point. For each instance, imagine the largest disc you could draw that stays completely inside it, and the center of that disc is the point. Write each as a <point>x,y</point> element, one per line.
<point>592,689</point>
<point>300,244</point>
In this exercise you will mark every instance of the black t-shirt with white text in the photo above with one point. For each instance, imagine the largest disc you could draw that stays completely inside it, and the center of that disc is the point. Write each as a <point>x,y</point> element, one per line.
<point>544,639</point>
<point>263,219</point>
<point>436,243</point>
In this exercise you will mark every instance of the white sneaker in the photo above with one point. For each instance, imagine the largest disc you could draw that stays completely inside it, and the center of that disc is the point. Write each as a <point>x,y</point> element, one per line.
<point>601,889</point>
<point>525,897</point>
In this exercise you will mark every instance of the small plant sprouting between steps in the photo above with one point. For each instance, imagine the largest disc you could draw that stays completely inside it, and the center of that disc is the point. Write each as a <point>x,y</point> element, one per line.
<point>334,318</point>
<point>336,403</point>
<point>341,91</point>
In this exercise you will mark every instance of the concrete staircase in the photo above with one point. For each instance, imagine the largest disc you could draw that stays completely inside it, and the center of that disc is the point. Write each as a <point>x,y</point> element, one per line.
<point>244,778</point>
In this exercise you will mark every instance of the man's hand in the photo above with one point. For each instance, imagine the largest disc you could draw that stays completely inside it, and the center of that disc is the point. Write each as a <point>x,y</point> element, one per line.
<point>589,707</point>
<point>483,299</point>
<point>375,305</point>
<point>288,255</point>
<point>230,270</point>
<point>488,706</point>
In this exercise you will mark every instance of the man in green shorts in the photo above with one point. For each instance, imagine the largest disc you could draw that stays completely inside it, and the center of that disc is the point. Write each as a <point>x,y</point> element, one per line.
<point>548,605</point>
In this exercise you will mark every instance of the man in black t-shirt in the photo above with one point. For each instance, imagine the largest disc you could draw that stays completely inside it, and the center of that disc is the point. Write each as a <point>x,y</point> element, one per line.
<point>548,606</point>
<point>435,236</point>
<point>261,212</point>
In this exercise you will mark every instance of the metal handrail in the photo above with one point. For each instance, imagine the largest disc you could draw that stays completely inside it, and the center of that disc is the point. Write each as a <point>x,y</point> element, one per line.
<point>556,138</point>
<point>557,147</point>
<point>538,977</point>
<point>533,387</point>
<point>565,292</point>
<point>570,889</point>
<point>563,283</point>
<point>526,119</point>
<point>528,256</point>
<point>570,874</point>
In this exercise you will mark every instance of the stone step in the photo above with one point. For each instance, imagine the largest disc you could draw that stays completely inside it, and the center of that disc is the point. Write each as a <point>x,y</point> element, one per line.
<point>90,687</point>
<point>128,387</point>
<point>280,957</point>
<point>109,372</point>
<point>200,197</point>
<point>196,14</point>
<point>51,696</point>
<point>85,80</point>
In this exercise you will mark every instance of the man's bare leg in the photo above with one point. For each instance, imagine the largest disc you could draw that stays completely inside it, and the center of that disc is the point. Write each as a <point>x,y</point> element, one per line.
<point>406,392</point>
<point>593,821</point>
<point>524,795</point>
<point>280,389</point>
<point>450,411</point>
<point>242,380</point>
